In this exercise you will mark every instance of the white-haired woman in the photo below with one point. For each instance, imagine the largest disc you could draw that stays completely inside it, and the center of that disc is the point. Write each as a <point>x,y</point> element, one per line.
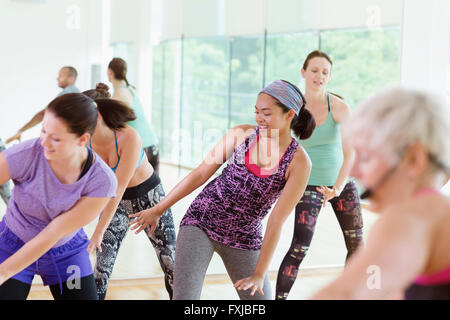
<point>402,159</point>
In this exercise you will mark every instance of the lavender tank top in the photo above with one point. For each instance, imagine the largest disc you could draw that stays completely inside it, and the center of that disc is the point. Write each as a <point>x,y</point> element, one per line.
<point>231,207</point>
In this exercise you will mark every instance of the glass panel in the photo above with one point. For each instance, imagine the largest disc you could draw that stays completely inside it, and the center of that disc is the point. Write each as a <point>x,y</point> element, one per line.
<point>246,78</point>
<point>165,108</point>
<point>157,92</point>
<point>285,54</point>
<point>364,61</point>
<point>204,101</point>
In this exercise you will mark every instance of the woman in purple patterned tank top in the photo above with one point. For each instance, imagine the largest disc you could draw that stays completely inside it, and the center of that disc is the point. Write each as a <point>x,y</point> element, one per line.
<point>264,164</point>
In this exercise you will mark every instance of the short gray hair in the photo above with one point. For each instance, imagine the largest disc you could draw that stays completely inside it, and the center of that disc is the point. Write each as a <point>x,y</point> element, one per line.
<point>398,116</point>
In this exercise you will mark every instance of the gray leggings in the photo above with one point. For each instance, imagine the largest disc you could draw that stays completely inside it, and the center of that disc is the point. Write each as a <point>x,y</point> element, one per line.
<point>193,255</point>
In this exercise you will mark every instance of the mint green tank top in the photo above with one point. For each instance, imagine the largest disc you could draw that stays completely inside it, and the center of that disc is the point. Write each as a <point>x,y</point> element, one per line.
<point>141,124</point>
<point>324,148</point>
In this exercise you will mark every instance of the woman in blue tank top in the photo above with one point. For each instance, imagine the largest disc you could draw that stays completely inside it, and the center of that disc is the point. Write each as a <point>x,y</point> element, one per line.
<point>139,188</point>
<point>123,91</point>
<point>331,158</point>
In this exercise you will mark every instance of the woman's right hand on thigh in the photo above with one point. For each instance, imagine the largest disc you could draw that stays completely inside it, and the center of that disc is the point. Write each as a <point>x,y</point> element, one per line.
<point>145,218</point>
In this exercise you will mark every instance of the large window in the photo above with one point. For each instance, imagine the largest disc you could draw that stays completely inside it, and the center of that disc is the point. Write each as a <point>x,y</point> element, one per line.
<point>245,78</point>
<point>204,97</point>
<point>285,54</point>
<point>204,86</point>
<point>363,61</point>
<point>165,97</point>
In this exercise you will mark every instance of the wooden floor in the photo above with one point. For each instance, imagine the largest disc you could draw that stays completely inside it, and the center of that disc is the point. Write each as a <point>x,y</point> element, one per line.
<point>216,287</point>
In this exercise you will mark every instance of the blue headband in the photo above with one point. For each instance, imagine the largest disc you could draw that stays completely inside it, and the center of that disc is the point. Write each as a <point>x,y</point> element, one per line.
<point>286,94</point>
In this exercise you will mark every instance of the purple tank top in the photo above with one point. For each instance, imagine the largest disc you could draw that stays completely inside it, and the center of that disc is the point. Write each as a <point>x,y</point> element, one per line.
<point>231,207</point>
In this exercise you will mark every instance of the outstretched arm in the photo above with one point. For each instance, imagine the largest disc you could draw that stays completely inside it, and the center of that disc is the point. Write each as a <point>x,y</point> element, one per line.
<point>30,124</point>
<point>215,158</point>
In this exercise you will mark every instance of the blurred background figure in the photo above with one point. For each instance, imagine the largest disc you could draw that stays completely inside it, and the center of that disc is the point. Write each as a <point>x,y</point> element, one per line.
<point>67,77</point>
<point>402,160</point>
<point>123,91</point>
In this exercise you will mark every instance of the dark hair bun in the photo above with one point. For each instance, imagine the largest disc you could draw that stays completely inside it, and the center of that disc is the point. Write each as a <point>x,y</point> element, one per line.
<point>103,89</point>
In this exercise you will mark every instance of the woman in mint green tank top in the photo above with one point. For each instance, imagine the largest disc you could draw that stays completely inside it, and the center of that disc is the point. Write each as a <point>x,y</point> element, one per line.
<point>117,75</point>
<point>332,159</point>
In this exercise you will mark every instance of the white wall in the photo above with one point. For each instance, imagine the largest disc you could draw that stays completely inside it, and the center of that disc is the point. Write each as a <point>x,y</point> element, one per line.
<point>425,47</point>
<point>131,23</point>
<point>37,39</point>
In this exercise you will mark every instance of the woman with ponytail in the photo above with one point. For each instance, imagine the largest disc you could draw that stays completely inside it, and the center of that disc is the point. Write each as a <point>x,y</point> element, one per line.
<point>332,158</point>
<point>60,185</point>
<point>123,91</point>
<point>264,164</point>
<point>139,188</point>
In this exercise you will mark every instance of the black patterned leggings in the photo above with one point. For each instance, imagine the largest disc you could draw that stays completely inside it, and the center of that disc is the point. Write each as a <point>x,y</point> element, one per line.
<point>163,239</point>
<point>348,212</point>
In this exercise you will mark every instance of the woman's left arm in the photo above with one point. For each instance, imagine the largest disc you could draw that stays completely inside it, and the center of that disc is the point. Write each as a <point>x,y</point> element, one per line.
<point>298,175</point>
<point>81,214</point>
<point>342,113</point>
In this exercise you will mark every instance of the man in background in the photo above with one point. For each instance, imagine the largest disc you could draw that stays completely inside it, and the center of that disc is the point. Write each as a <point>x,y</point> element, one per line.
<point>67,77</point>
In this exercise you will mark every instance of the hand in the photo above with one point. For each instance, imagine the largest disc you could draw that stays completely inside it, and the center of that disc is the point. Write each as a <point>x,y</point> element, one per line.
<point>328,193</point>
<point>145,218</point>
<point>96,242</point>
<point>17,136</point>
<point>254,283</point>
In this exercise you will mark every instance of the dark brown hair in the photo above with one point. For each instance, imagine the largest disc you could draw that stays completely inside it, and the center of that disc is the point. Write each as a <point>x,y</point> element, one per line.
<point>115,113</point>
<point>80,112</point>
<point>77,111</point>
<point>303,124</point>
<point>101,91</point>
<point>119,67</point>
<point>316,54</point>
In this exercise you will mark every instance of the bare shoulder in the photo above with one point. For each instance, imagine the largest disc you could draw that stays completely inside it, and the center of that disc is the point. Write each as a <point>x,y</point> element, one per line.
<point>244,128</point>
<point>129,137</point>
<point>427,211</point>
<point>124,95</point>
<point>299,162</point>
<point>301,157</point>
<point>241,132</point>
<point>340,109</point>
